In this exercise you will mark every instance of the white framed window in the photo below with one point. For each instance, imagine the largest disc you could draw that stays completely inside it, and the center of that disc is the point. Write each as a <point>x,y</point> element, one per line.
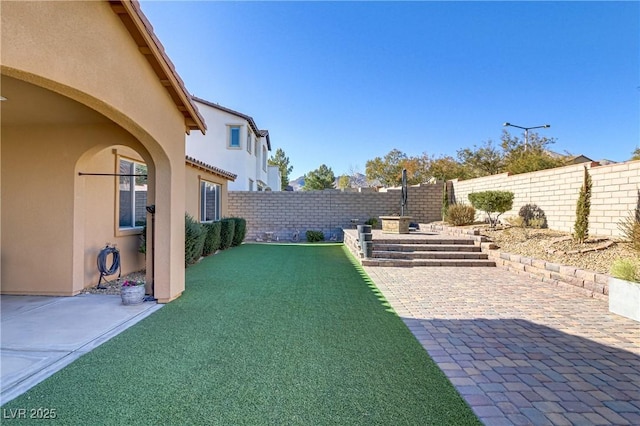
<point>209,201</point>
<point>234,136</point>
<point>132,194</point>
<point>257,146</point>
<point>264,158</point>
<point>249,140</point>
<point>250,184</point>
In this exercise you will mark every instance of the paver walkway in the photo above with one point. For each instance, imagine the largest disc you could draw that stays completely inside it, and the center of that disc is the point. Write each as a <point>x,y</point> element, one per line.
<point>521,352</point>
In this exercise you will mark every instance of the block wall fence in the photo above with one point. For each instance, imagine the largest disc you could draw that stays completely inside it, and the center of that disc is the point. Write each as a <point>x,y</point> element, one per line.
<point>615,193</point>
<point>330,210</point>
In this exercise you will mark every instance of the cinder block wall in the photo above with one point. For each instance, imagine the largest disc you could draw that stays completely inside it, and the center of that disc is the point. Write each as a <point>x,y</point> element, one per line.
<point>615,193</point>
<point>285,212</point>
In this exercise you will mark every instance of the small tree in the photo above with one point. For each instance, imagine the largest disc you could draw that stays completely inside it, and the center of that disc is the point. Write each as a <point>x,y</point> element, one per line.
<point>445,201</point>
<point>583,208</point>
<point>492,202</point>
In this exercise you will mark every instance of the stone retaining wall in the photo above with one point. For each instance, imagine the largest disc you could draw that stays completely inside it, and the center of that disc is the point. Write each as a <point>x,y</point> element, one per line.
<point>590,283</point>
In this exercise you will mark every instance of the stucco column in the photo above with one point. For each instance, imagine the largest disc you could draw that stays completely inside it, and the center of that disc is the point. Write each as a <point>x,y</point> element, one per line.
<point>168,258</point>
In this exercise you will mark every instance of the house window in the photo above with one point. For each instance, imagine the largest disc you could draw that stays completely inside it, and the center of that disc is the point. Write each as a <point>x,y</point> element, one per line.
<point>132,194</point>
<point>209,201</point>
<point>264,158</point>
<point>257,151</point>
<point>234,136</point>
<point>250,184</point>
<point>249,142</point>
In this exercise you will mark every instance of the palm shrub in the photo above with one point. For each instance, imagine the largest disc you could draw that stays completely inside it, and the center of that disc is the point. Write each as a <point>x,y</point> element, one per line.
<point>240,230</point>
<point>630,227</point>
<point>583,208</point>
<point>194,237</point>
<point>227,229</point>
<point>212,241</point>
<point>492,202</point>
<point>460,215</point>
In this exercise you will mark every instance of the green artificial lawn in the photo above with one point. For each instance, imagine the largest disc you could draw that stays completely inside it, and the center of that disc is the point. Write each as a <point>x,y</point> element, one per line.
<point>263,334</point>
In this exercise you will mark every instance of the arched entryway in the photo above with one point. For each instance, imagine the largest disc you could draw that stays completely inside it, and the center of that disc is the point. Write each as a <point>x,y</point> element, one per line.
<point>53,219</point>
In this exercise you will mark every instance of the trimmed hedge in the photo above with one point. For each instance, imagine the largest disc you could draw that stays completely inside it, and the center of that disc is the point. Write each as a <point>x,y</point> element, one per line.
<point>194,237</point>
<point>212,242</point>
<point>227,229</point>
<point>240,230</point>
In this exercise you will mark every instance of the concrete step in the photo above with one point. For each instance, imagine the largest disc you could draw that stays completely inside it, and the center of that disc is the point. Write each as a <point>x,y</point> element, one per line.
<point>424,247</point>
<point>393,254</point>
<point>428,262</point>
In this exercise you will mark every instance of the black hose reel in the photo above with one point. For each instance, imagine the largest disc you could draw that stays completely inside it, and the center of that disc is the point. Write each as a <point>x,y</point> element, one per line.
<point>102,264</point>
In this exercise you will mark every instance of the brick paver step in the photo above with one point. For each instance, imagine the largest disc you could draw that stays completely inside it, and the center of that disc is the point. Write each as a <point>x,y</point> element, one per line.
<point>430,241</point>
<point>427,262</point>
<point>418,254</point>
<point>377,246</point>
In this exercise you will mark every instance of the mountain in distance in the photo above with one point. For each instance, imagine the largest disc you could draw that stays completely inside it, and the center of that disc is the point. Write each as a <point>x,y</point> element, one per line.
<point>358,180</point>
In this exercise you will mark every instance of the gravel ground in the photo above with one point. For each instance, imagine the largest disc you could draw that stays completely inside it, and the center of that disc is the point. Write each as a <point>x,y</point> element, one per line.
<point>555,246</point>
<point>113,285</point>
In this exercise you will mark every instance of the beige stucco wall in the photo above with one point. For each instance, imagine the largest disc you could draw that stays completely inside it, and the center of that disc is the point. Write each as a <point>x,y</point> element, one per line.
<point>82,50</point>
<point>194,175</point>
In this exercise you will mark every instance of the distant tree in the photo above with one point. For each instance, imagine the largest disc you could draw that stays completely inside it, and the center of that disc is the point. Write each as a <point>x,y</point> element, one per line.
<point>280,160</point>
<point>530,157</point>
<point>344,182</point>
<point>318,179</point>
<point>636,154</point>
<point>482,161</point>
<point>388,170</point>
<point>447,168</point>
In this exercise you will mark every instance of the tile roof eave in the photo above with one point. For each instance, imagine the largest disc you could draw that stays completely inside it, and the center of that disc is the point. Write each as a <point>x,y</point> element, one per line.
<point>141,29</point>
<point>215,170</point>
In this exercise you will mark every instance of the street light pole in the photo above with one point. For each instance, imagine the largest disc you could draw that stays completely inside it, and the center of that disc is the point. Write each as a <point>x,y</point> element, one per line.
<point>526,131</point>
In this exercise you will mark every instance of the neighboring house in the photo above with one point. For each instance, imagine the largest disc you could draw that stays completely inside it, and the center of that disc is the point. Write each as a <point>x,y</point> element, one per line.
<point>206,191</point>
<point>87,105</point>
<point>234,142</point>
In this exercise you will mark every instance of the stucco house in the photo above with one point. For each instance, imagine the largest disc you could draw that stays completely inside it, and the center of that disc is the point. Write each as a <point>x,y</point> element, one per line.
<point>93,127</point>
<point>234,142</point>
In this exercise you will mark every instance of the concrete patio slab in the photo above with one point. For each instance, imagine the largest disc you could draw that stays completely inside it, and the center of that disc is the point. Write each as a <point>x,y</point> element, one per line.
<point>40,335</point>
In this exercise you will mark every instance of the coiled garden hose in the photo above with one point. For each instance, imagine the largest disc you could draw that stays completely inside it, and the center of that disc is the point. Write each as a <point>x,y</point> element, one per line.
<point>102,263</point>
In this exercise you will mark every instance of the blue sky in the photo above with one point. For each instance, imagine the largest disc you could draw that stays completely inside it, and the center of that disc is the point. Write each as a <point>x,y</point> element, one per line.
<point>339,83</point>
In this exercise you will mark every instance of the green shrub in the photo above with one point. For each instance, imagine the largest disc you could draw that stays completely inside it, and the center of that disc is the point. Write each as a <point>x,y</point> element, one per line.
<point>373,221</point>
<point>240,230</point>
<point>227,229</point>
<point>492,202</point>
<point>445,201</point>
<point>212,241</point>
<point>625,269</point>
<point>516,221</point>
<point>583,208</point>
<point>194,237</point>
<point>315,236</point>
<point>142,248</point>
<point>533,216</point>
<point>460,214</point>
